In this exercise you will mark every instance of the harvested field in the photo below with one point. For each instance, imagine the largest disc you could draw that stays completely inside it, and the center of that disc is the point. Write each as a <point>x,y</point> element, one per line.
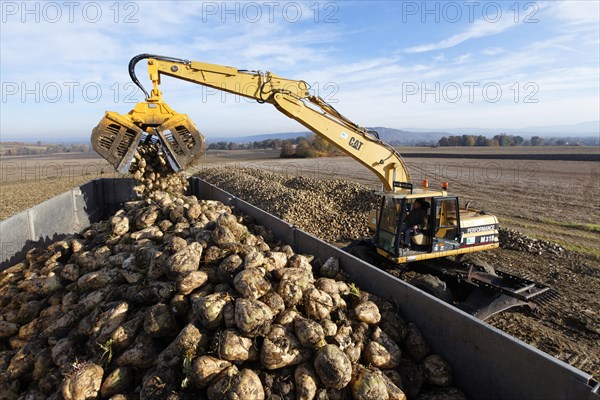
<point>28,180</point>
<point>550,200</point>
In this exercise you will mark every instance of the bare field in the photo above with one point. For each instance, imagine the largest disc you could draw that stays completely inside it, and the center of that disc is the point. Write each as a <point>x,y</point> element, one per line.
<point>498,151</point>
<point>555,200</point>
<point>28,180</point>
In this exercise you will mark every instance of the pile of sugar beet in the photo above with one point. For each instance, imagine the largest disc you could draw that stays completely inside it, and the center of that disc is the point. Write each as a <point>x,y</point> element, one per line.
<point>179,298</point>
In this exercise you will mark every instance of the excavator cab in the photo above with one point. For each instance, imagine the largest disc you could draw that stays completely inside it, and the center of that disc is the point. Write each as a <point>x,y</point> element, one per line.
<point>450,231</point>
<point>441,231</point>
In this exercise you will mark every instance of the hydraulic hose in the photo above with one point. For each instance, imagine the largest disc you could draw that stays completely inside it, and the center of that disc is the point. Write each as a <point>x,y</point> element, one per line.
<point>143,56</point>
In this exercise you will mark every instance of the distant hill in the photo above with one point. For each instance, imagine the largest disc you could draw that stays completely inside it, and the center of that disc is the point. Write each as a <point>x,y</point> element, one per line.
<point>389,135</point>
<point>399,136</point>
<point>581,129</point>
<point>256,138</point>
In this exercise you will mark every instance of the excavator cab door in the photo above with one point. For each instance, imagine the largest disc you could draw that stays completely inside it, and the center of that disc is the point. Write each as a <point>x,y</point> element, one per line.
<point>446,223</point>
<point>387,230</point>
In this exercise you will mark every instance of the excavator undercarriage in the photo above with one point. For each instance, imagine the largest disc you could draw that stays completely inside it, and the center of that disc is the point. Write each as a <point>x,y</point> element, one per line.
<point>472,286</point>
<point>485,292</point>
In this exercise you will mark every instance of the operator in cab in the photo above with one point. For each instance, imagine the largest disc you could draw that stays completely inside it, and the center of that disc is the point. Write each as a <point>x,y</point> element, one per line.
<point>416,219</point>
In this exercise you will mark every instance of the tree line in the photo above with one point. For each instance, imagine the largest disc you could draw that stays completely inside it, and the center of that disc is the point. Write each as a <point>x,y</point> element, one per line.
<point>308,147</point>
<point>316,146</point>
<point>300,147</point>
<point>268,144</point>
<point>502,140</point>
<point>22,149</point>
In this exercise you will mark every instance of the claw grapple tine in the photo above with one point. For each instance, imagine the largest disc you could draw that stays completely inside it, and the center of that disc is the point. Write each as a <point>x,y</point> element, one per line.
<point>182,143</point>
<point>116,139</point>
<point>546,297</point>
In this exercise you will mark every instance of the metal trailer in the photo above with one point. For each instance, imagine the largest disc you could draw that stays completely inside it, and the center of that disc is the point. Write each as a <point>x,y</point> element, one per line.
<point>487,363</point>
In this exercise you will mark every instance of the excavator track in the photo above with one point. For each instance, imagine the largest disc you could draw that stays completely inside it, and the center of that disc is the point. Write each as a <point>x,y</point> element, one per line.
<point>475,289</point>
<point>492,292</point>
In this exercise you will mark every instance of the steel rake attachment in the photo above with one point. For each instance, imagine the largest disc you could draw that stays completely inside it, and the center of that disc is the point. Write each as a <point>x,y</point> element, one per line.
<point>546,298</point>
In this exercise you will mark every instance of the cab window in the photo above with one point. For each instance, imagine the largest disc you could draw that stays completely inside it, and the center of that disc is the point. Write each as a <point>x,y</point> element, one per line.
<point>388,223</point>
<point>447,218</point>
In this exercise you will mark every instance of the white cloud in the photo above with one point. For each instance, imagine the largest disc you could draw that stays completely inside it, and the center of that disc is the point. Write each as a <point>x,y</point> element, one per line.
<point>477,29</point>
<point>580,14</point>
<point>492,51</point>
<point>577,18</point>
<point>463,58</point>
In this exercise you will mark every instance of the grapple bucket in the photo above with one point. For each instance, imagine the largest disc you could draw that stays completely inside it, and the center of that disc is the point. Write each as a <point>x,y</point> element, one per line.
<point>116,138</point>
<point>181,141</point>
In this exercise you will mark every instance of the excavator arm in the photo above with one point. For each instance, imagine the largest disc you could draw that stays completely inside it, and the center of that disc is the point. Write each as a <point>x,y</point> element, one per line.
<point>116,137</point>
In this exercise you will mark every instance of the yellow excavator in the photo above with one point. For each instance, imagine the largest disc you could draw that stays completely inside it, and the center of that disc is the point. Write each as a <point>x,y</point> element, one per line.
<point>448,232</point>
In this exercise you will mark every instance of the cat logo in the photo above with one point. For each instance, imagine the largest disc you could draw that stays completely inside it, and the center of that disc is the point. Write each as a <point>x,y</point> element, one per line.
<point>355,143</point>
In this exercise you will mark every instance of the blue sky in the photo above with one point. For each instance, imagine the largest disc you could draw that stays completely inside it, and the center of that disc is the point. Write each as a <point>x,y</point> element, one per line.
<point>430,65</point>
